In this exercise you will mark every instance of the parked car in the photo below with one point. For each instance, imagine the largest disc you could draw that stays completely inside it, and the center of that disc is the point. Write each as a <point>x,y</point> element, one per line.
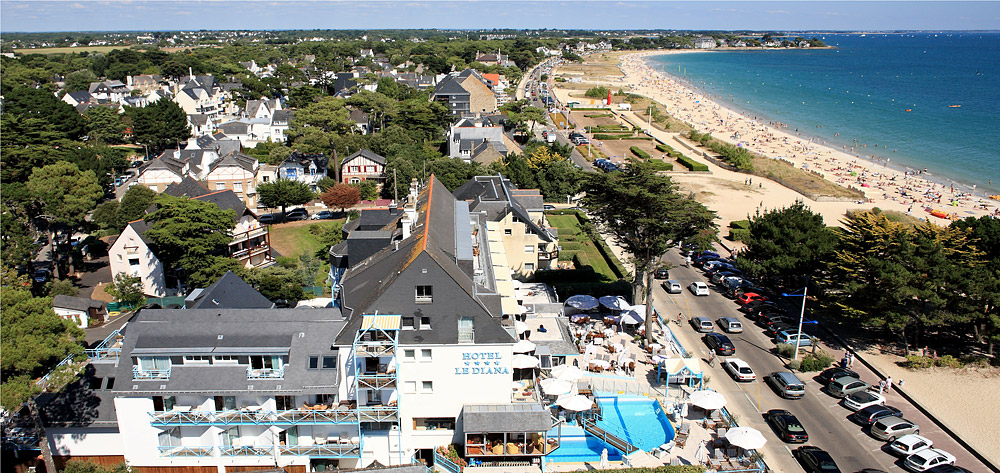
<point>268,219</point>
<point>793,338</point>
<point>739,369</point>
<point>870,414</point>
<point>863,399</point>
<point>321,215</point>
<point>789,428</point>
<point>701,324</point>
<point>748,297</point>
<point>698,288</point>
<point>773,315</point>
<point>778,327</point>
<point>548,207</point>
<point>928,458</point>
<point>296,214</point>
<point>831,374</point>
<point>757,306</point>
<point>949,469</point>
<point>661,273</point>
<point>672,286</point>
<point>719,343</point>
<point>787,384</point>
<point>815,460</point>
<point>846,385</point>
<point>730,324</point>
<point>909,444</point>
<point>892,428</point>
<point>719,277</point>
<point>42,276</point>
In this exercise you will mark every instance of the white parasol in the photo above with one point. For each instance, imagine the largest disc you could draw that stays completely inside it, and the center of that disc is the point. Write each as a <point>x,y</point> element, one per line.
<point>524,362</point>
<point>600,364</point>
<point>604,459</point>
<point>657,359</point>
<point>575,403</point>
<point>634,315</point>
<point>745,437</point>
<point>708,400</point>
<point>556,387</point>
<point>524,346</point>
<point>567,372</point>
<point>521,327</point>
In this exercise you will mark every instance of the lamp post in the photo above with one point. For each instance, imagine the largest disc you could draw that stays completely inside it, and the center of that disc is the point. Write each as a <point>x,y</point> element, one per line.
<point>802,314</point>
<point>649,120</point>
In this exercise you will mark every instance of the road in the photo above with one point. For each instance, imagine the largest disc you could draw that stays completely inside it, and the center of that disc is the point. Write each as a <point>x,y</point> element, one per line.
<point>824,418</point>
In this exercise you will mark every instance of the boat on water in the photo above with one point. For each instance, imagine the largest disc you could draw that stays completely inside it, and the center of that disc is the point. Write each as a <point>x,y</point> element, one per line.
<point>954,106</point>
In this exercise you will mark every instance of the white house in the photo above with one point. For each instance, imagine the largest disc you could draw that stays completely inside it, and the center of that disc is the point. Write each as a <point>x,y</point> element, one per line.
<point>130,254</point>
<point>82,311</point>
<point>306,168</point>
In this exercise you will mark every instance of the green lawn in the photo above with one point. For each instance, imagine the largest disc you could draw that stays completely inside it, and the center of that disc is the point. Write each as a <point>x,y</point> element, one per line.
<point>294,238</point>
<point>574,242</point>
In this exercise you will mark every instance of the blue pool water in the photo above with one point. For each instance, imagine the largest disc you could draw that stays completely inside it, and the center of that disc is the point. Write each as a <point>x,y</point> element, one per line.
<point>640,421</point>
<point>581,449</point>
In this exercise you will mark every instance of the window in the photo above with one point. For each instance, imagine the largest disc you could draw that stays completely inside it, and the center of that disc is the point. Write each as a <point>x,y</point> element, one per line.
<point>425,294</point>
<point>220,186</point>
<point>425,323</point>
<point>111,383</point>
<point>427,386</point>
<point>330,362</point>
<point>197,359</point>
<point>529,266</point>
<point>284,403</point>
<point>94,383</point>
<point>133,261</point>
<point>410,387</point>
<point>408,323</point>
<point>225,403</point>
<point>466,330</point>
<point>529,248</point>
<point>541,247</point>
<point>507,231</point>
<point>170,437</point>
<point>313,363</point>
<point>237,187</point>
<point>154,363</point>
<point>230,436</point>
<point>258,362</point>
<point>425,354</point>
<point>225,360</point>
<point>163,403</point>
<point>119,258</point>
<point>409,354</point>
<point>433,423</point>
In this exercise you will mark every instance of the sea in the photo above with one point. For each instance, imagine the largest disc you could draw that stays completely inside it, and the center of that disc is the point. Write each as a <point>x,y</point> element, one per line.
<point>891,96</point>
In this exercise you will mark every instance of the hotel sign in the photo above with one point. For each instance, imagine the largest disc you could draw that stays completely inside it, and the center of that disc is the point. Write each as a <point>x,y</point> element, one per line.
<point>481,363</point>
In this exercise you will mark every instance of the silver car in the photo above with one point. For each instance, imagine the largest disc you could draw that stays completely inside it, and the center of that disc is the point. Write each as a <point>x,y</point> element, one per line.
<point>891,428</point>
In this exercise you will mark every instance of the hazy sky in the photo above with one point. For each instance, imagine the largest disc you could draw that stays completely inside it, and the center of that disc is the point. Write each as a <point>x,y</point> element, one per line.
<point>91,15</point>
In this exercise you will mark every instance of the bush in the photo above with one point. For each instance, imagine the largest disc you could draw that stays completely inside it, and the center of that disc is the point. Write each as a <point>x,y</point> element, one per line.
<point>917,362</point>
<point>786,350</point>
<point>596,115</point>
<point>949,361</point>
<point>658,165</point>
<point>691,164</point>
<point>599,92</point>
<point>818,361</point>
<point>638,152</point>
<point>741,224</point>
<point>738,234</point>
<point>605,136</point>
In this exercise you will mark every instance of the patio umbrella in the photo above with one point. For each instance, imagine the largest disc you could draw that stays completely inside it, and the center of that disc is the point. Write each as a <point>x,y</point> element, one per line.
<point>702,453</point>
<point>659,359</point>
<point>745,437</point>
<point>523,309</point>
<point>556,387</point>
<point>524,346</point>
<point>635,315</point>
<point>521,327</point>
<point>524,362</point>
<point>604,459</point>
<point>709,400</point>
<point>575,403</point>
<point>567,372</point>
<point>613,303</point>
<point>582,302</point>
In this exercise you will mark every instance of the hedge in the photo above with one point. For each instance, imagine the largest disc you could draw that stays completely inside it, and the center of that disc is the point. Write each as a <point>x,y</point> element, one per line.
<point>638,152</point>
<point>658,165</point>
<point>738,234</point>
<point>743,224</point>
<point>666,149</point>
<point>692,164</point>
<point>603,136</point>
<point>596,115</point>
<point>608,128</point>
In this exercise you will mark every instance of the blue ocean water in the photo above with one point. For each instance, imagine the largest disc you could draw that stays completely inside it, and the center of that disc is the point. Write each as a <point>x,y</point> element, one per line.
<point>863,90</point>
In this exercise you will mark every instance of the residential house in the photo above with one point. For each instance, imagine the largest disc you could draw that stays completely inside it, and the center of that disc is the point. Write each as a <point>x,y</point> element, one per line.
<point>131,254</point>
<point>251,66</point>
<point>78,98</point>
<point>172,165</point>
<point>470,137</point>
<point>361,122</point>
<point>703,42</point>
<point>109,90</point>
<point>495,59</point>
<point>465,93</point>
<point>362,166</point>
<point>200,124</point>
<point>145,83</point>
<point>236,172</point>
<point>229,292</point>
<point>306,168</point>
<point>200,95</point>
<point>530,243</point>
<point>84,312</point>
<point>281,120</point>
<point>219,143</point>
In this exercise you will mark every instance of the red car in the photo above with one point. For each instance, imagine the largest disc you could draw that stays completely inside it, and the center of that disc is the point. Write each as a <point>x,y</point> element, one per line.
<point>749,297</point>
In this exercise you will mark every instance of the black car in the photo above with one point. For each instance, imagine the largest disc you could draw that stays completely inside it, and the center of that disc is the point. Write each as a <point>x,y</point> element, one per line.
<point>774,329</point>
<point>870,414</point>
<point>948,469</point>
<point>42,275</point>
<point>701,260</point>
<point>831,374</point>
<point>815,460</point>
<point>296,214</point>
<point>788,426</point>
<point>720,344</point>
<point>268,219</point>
<point>661,273</point>
<point>757,306</point>
<point>770,318</point>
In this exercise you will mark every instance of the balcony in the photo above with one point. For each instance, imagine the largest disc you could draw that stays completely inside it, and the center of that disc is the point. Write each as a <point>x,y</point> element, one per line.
<point>377,381</point>
<point>245,450</point>
<point>185,416</point>
<point>378,348</point>
<point>325,450</point>
<point>185,451</point>
<point>378,414</point>
<point>548,255</point>
<point>265,373</point>
<point>140,374</point>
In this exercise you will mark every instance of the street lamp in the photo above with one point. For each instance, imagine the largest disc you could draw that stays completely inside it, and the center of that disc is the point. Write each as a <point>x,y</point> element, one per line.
<point>802,314</point>
<point>649,120</point>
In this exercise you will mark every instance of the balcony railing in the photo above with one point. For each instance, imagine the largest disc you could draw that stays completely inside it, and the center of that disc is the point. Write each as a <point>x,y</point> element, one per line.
<point>245,450</point>
<point>548,255</point>
<point>378,414</point>
<point>185,451</point>
<point>325,450</point>
<point>259,373</point>
<point>150,374</point>
<point>383,348</point>
<point>377,381</point>
<point>254,417</point>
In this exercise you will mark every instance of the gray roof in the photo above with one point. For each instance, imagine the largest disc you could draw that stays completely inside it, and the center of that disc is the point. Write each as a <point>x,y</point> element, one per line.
<point>236,159</point>
<point>449,86</point>
<point>226,200</point>
<point>364,153</point>
<point>303,159</point>
<point>230,292</point>
<point>174,332</point>
<point>521,417</point>
<point>76,303</point>
<point>86,402</point>
<point>236,127</point>
<point>188,187</point>
<point>198,119</point>
<point>495,196</point>
<point>282,116</point>
<point>81,96</point>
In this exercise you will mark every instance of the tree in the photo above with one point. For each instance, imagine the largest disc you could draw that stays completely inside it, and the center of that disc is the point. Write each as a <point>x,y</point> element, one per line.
<point>277,283</point>
<point>63,287</point>
<point>106,215</point>
<point>65,193</point>
<point>127,290</point>
<point>16,245</point>
<point>55,116</point>
<point>187,234</point>
<point>341,196</point>
<point>160,125</point>
<point>135,202</point>
<point>104,125</point>
<point>85,466</point>
<point>368,189</point>
<point>541,157</point>
<point>787,244</point>
<point>646,216</point>
<point>79,80</point>
<point>284,192</point>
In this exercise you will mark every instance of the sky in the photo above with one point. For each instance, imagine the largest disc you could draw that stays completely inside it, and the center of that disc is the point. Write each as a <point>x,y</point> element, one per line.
<point>119,15</point>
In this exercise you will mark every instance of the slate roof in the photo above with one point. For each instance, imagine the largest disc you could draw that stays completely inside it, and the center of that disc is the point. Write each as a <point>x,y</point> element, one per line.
<point>343,82</point>
<point>80,97</point>
<point>520,417</point>
<point>188,187</point>
<point>359,116</point>
<point>86,402</point>
<point>495,196</point>
<point>299,333</point>
<point>235,127</point>
<point>204,82</point>
<point>303,159</point>
<point>76,303</point>
<point>236,159</point>
<point>365,153</point>
<point>450,86</point>
<point>140,227</point>
<point>282,117</point>
<point>230,292</point>
<point>198,119</point>
<point>226,200</point>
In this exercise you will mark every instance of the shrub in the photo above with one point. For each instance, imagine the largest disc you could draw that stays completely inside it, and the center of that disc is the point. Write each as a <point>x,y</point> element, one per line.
<point>658,165</point>
<point>599,92</point>
<point>738,234</point>
<point>604,136</point>
<point>949,361</point>
<point>786,350</point>
<point>692,164</point>
<point>596,115</point>
<point>818,361</point>
<point>741,224</point>
<point>917,362</point>
<point>638,152</point>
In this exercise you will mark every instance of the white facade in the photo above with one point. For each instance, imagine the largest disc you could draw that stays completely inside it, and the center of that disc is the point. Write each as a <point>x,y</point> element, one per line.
<point>75,441</point>
<point>130,255</point>
<point>80,317</point>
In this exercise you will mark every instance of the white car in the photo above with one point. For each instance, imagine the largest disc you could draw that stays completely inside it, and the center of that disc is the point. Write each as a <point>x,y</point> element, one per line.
<point>739,369</point>
<point>863,399</point>
<point>909,444</point>
<point>698,288</point>
<point>928,458</point>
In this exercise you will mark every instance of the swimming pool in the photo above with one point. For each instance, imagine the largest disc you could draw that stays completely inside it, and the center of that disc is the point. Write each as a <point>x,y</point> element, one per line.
<point>638,420</point>
<point>574,449</point>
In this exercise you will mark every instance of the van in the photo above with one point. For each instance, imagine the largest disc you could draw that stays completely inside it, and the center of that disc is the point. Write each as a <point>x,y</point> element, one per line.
<point>787,385</point>
<point>702,324</point>
<point>730,325</point>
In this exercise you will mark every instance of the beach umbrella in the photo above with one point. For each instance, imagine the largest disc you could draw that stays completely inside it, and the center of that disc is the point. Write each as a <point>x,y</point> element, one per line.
<point>556,387</point>
<point>575,402</point>
<point>633,316</point>
<point>521,327</point>
<point>708,400</point>
<point>745,437</point>
<point>604,459</point>
<point>524,346</point>
<point>702,453</point>
<point>567,372</point>
<point>659,359</point>
<point>524,362</point>
<point>582,302</point>
<point>613,303</point>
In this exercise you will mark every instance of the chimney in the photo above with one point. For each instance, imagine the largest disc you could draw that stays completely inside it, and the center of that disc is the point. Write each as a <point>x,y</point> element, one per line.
<point>190,73</point>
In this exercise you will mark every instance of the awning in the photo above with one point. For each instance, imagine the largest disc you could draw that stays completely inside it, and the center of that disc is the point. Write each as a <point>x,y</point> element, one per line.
<point>382,322</point>
<point>521,417</point>
<point>675,365</point>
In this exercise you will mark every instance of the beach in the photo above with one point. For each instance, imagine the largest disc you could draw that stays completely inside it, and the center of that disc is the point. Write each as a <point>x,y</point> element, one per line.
<point>731,193</point>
